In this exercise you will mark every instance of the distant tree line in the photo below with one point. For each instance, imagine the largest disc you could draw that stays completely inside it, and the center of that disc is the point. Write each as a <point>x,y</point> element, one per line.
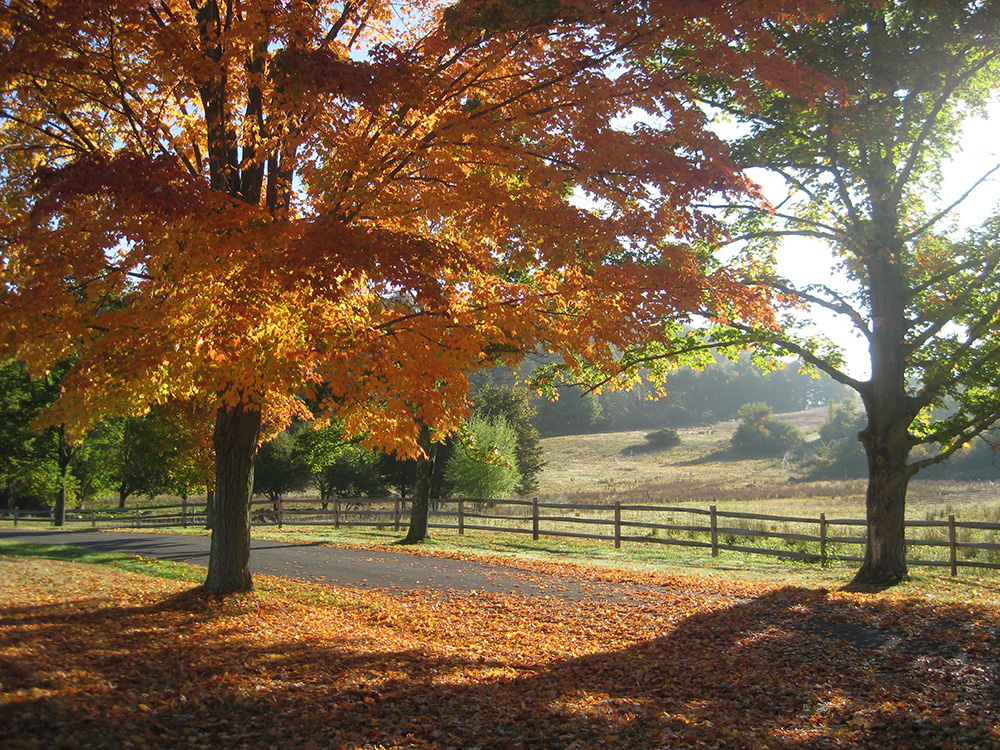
<point>715,393</point>
<point>497,455</point>
<point>164,452</point>
<point>168,451</point>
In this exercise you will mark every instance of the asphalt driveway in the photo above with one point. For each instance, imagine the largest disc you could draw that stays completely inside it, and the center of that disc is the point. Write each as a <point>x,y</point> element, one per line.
<point>342,566</point>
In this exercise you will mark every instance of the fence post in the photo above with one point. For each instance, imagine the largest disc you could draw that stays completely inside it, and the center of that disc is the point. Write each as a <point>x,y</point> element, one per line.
<point>138,517</point>
<point>336,514</point>
<point>396,517</point>
<point>822,540</point>
<point>618,524</point>
<point>534,518</point>
<point>184,513</point>
<point>281,512</point>
<point>715,531</point>
<point>209,507</point>
<point>461,516</point>
<point>952,546</point>
<point>15,515</point>
<point>93,518</point>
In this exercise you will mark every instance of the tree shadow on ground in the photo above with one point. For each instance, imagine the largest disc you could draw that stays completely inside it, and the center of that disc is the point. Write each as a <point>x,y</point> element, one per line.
<point>793,668</point>
<point>640,449</point>
<point>722,455</point>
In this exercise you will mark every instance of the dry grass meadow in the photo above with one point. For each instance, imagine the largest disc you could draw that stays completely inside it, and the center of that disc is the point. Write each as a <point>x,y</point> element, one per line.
<point>700,472</point>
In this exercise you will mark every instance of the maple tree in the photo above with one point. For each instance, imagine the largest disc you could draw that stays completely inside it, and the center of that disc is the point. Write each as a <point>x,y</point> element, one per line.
<point>253,199</point>
<point>863,170</point>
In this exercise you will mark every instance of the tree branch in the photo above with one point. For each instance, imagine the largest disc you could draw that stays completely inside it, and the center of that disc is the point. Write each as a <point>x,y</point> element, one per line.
<point>802,353</point>
<point>978,427</point>
<point>950,207</point>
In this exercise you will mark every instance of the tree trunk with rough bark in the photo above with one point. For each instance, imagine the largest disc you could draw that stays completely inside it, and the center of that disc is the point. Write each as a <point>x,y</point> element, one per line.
<point>123,494</point>
<point>888,478</point>
<point>420,505</point>
<point>889,408</point>
<point>237,432</point>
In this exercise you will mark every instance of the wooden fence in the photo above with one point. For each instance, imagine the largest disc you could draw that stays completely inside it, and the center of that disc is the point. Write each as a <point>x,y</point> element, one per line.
<point>944,543</point>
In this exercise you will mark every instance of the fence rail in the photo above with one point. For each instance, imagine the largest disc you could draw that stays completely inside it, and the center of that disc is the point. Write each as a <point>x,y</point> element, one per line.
<point>937,543</point>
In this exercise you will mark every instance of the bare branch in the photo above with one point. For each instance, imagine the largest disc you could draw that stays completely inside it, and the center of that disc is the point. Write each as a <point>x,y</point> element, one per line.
<point>836,304</point>
<point>807,356</point>
<point>951,206</point>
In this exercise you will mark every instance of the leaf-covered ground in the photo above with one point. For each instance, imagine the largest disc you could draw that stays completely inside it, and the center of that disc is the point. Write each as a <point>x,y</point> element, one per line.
<point>96,657</point>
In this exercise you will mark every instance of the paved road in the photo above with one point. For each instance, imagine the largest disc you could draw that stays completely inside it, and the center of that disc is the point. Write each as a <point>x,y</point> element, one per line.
<point>356,568</point>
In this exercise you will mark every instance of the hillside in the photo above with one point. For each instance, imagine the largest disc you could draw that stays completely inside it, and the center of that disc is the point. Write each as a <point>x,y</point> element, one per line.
<point>702,471</point>
<point>578,463</point>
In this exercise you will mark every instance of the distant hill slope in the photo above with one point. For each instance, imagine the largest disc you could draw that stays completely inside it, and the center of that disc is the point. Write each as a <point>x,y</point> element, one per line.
<point>584,463</point>
<point>701,471</point>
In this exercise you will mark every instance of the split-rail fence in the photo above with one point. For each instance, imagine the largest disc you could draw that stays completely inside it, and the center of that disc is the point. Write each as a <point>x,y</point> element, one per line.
<point>944,542</point>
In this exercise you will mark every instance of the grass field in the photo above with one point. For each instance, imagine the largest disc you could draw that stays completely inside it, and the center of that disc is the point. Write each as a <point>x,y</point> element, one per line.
<point>700,472</point>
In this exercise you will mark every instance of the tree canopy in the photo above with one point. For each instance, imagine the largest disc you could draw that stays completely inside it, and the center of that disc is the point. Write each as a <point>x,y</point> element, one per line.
<point>27,465</point>
<point>248,200</point>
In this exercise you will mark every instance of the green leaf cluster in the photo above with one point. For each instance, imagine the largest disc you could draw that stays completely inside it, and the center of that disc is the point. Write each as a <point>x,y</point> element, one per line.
<point>484,464</point>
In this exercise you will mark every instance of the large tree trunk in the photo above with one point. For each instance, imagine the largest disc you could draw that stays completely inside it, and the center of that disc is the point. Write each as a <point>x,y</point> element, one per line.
<point>420,505</point>
<point>888,405</point>
<point>237,432</point>
<point>888,478</point>
<point>886,438</point>
<point>59,511</point>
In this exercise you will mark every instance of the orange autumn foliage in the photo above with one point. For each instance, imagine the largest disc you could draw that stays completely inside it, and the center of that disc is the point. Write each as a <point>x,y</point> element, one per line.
<point>361,202</point>
<point>254,198</point>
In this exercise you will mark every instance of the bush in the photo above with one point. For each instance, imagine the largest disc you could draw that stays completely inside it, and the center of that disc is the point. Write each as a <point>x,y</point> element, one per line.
<point>839,454</point>
<point>665,438</point>
<point>485,466</point>
<point>514,405</point>
<point>761,435</point>
<point>843,422</point>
